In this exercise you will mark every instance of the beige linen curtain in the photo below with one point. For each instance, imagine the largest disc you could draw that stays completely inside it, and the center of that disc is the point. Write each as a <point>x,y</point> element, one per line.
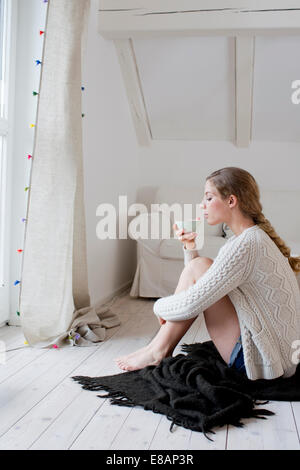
<point>55,305</point>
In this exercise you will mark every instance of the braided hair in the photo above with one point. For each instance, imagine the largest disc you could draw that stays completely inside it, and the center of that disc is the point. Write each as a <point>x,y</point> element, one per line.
<point>233,180</point>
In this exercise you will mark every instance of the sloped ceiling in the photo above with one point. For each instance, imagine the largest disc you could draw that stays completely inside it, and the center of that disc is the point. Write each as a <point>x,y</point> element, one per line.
<point>208,69</point>
<point>276,66</point>
<point>189,87</point>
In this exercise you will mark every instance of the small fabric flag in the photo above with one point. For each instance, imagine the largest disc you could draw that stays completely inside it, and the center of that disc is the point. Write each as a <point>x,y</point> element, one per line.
<point>35,93</point>
<point>38,62</point>
<point>55,346</point>
<point>29,157</point>
<point>26,189</point>
<point>23,220</point>
<point>20,251</point>
<point>16,283</point>
<point>32,126</point>
<point>83,115</point>
<point>82,88</point>
<point>18,313</point>
<point>25,342</point>
<point>42,32</point>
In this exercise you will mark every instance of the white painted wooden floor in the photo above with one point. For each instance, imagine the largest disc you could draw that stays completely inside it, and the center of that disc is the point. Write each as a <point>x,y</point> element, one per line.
<point>42,408</point>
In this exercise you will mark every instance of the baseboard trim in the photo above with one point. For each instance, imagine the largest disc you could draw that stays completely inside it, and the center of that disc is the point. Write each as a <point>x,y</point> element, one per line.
<point>116,293</point>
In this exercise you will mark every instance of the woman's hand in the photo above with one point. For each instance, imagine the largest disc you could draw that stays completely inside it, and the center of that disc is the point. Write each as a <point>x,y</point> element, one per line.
<point>187,238</point>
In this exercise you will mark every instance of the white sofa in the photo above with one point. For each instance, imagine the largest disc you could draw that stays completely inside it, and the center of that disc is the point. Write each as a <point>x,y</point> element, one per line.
<point>160,261</point>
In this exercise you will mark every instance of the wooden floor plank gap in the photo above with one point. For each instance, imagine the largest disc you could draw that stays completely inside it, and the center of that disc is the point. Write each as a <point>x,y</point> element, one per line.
<point>153,437</point>
<point>87,423</point>
<point>122,426</point>
<point>295,421</point>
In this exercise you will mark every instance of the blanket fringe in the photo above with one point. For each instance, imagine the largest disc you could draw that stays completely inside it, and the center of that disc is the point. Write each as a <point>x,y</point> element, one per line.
<point>117,397</point>
<point>205,434</point>
<point>171,427</point>
<point>90,383</point>
<point>123,401</point>
<point>257,413</point>
<point>182,423</point>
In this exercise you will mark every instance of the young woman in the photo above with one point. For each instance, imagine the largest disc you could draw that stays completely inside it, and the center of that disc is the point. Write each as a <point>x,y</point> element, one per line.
<point>249,294</point>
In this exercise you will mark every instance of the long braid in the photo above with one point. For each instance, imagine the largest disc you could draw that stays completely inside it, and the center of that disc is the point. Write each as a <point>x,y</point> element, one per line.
<point>265,225</point>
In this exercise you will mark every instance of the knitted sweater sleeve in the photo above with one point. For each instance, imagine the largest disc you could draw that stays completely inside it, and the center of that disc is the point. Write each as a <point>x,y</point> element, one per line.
<point>189,255</point>
<point>230,269</point>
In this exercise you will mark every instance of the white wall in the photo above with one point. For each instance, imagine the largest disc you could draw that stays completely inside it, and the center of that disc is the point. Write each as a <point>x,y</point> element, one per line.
<point>110,161</point>
<point>274,165</point>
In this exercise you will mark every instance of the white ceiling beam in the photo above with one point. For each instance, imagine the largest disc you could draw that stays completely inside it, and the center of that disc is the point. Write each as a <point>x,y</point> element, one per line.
<point>244,89</point>
<point>144,18</point>
<point>134,90</point>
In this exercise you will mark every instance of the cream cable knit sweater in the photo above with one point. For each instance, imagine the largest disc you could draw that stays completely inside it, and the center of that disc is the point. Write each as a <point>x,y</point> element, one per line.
<point>264,291</point>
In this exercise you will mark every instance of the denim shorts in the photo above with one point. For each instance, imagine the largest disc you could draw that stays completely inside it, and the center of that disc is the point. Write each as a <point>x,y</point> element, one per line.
<point>237,357</point>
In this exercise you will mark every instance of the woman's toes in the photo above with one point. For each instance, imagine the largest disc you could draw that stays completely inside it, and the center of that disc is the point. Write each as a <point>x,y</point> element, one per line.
<point>121,365</point>
<point>119,359</point>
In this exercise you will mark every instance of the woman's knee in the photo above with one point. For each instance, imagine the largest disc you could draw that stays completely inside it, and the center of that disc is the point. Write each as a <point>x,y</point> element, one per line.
<point>200,265</point>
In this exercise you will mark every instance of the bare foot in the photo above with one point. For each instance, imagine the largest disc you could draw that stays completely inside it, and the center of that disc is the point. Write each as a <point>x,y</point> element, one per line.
<point>141,358</point>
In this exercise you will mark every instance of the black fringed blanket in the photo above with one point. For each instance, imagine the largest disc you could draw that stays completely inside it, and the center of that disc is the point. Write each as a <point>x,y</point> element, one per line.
<point>196,390</point>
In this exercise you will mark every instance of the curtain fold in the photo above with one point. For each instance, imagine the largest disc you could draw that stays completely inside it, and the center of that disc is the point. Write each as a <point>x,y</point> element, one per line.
<point>54,297</point>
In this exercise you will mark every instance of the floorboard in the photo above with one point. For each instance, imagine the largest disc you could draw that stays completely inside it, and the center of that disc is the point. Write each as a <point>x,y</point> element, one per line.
<point>43,408</point>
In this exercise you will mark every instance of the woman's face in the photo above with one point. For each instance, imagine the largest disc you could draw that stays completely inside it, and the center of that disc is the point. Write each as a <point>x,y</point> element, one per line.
<point>216,210</point>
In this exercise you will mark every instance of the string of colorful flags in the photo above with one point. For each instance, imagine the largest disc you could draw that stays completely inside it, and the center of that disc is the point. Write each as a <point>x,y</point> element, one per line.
<point>39,63</point>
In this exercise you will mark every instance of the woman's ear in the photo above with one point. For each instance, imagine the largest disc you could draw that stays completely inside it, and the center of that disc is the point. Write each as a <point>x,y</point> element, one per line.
<point>232,200</point>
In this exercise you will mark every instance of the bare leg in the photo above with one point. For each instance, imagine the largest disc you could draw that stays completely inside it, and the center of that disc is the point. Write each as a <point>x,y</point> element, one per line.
<point>221,321</point>
<point>168,335</point>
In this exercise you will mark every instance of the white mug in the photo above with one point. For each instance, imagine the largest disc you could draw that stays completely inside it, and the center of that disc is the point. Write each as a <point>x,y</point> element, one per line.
<point>193,225</point>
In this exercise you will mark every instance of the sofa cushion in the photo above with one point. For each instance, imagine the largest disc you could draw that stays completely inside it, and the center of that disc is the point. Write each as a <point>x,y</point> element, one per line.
<point>172,249</point>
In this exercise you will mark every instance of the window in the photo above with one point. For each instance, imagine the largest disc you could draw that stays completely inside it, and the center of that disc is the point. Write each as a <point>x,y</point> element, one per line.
<point>3,36</point>
<point>7,59</point>
<point>3,131</point>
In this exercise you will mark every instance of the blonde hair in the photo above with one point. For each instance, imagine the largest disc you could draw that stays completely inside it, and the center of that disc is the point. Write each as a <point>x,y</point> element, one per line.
<point>233,180</point>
